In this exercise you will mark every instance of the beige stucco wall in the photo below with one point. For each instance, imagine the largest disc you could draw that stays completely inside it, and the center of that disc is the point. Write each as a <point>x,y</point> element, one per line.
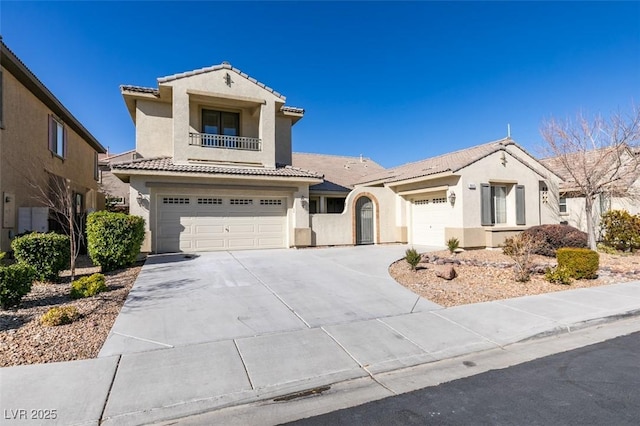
<point>25,155</point>
<point>154,129</point>
<point>283,140</point>
<point>254,103</point>
<point>339,229</point>
<point>143,199</point>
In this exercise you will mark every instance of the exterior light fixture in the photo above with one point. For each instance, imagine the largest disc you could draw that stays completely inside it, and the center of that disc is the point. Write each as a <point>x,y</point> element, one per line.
<point>452,198</point>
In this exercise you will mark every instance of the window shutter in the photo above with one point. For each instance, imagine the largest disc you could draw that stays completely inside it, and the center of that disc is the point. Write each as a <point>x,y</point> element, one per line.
<point>520,207</point>
<point>485,204</point>
<point>52,134</point>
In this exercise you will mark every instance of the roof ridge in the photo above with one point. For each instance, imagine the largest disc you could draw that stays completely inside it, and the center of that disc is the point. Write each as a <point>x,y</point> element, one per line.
<point>223,65</point>
<point>334,155</point>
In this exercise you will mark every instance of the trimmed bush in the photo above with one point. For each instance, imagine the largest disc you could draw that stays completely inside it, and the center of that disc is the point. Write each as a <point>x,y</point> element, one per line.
<point>15,283</point>
<point>621,230</point>
<point>453,244</point>
<point>48,254</point>
<point>550,238</point>
<point>114,239</point>
<point>412,257</point>
<point>60,315</point>
<point>88,286</point>
<point>579,262</point>
<point>558,275</point>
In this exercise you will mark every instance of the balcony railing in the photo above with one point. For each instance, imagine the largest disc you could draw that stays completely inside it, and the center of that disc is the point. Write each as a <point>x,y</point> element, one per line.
<point>225,142</point>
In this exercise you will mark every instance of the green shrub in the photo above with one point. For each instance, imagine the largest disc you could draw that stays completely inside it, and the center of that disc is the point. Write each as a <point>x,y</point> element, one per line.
<point>558,275</point>
<point>60,315</point>
<point>2,255</point>
<point>412,257</point>
<point>88,286</point>
<point>579,262</point>
<point>15,283</point>
<point>48,254</point>
<point>550,238</point>
<point>453,244</point>
<point>114,239</point>
<point>621,230</point>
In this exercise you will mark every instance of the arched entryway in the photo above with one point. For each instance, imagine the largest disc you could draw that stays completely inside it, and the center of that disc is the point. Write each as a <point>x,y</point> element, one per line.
<point>364,221</point>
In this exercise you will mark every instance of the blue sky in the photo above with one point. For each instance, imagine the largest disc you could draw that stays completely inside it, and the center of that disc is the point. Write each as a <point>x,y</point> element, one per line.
<point>393,81</point>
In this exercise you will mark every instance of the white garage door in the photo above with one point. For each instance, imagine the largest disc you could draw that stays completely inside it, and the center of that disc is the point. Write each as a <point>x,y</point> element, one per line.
<point>428,217</point>
<point>206,223</point>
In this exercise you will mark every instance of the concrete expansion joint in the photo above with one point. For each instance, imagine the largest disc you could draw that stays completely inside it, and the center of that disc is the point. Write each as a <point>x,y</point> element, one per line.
<point>366,370</point>
<point>468,329</point>
<point>244,364</point>
<point>113,379</point>
<point>166,345</point>
<point>290,308</point>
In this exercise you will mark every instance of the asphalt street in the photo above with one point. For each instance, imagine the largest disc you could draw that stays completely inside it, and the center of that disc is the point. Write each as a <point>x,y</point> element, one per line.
<point>593,385</point>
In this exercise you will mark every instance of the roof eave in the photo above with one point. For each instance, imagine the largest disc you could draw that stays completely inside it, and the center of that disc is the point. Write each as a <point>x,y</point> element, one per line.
<point>19,70</point>
<point>127,173</point>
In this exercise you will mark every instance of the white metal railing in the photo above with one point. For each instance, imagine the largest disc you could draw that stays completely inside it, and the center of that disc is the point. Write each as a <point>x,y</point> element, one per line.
<point>225,142</point>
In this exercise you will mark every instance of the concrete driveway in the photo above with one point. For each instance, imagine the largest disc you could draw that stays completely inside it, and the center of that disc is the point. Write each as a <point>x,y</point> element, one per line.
<point>183,299</point>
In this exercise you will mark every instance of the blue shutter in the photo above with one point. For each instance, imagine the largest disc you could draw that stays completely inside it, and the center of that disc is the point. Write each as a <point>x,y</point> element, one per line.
<point>485,205</point>
<point>520,207</point>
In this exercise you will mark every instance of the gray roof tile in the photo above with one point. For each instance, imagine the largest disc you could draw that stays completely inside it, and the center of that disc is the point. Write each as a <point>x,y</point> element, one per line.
<point>165,164</point>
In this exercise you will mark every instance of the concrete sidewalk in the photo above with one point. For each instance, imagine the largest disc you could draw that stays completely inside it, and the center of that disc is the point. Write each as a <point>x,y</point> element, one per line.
<point>162,384</point>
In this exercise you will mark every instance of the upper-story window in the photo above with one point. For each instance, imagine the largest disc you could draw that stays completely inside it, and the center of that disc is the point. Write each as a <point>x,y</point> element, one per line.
<point>562,204</point>
<point>220,122</point>
<point>57,137</point>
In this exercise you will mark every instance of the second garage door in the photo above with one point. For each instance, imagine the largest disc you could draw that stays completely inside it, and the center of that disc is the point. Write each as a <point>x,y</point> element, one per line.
<point>428,217</point>
<point>207,223</point>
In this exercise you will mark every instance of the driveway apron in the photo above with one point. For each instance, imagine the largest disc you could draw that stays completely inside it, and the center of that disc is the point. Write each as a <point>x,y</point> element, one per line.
<point>184,299</point>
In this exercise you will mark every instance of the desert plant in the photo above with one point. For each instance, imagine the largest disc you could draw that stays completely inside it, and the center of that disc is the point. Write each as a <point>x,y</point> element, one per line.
<point>579,262</point>
<point>88,286</point>
<point>15,283</point>
<point>412,257</point>
<point>550,238</point>
<point>621,230</point>
<point>520,248</point>
<point>48,254</point>
<point>453,244</point>
<point>60,315</point>
<point>114,239</point>
<point>558,275</point>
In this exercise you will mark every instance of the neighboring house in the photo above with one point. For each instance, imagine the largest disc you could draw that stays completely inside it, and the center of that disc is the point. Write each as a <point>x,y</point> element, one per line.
<point>115,191</point>
<point>41,142</point>
<point>618,166</point>
<point>215,170</point>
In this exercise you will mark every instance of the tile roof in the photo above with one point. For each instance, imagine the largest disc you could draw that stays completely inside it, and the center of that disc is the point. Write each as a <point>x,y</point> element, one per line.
<point>452,162</point>
<point>224,65</point>
<point>139,89</point>
<point>602,164</point>
<point>165,164</point>
<point>292,109</point>
<point>340,172</point>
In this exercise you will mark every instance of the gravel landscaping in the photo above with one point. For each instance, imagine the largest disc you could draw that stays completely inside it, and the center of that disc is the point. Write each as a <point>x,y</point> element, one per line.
<point>23,340</point>
<point>485,275</point>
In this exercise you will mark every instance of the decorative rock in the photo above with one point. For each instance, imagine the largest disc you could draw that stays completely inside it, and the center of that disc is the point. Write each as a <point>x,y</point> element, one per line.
<point>446,272</point>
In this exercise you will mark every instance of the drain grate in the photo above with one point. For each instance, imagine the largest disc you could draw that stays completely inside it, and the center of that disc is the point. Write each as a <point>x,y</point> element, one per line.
<point>302,394</point>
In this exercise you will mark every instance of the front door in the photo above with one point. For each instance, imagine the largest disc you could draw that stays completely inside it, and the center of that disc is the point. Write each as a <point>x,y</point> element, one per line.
<point>364,221</point>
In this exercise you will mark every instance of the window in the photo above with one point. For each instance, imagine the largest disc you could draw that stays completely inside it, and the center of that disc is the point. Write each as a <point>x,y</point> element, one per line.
<point>335,205</point>
<point>220,122</point>
<point>175,200</point>
<point>240,202</point>
<point>313,206</point>
<point>494,204</point>
<point>217,201</point>
<point>57,137</point>
<point>563,204</point>
<point>270,202</point>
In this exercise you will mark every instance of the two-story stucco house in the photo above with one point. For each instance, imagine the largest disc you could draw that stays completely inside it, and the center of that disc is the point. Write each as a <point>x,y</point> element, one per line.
<point>40,141</point>
<point>216,173</point>
<point>215,169</point>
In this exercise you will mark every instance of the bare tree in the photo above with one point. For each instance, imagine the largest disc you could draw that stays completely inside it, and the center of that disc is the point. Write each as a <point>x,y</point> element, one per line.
<point>595,156</point>
<point>58,195</point>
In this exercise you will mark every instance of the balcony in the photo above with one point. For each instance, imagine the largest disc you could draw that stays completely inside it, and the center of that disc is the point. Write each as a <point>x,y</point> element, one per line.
<point>225,142</point>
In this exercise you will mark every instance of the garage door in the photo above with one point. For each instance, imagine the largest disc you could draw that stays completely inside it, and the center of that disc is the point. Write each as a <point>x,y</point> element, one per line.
<point>206,223</point>
<point>428,216</point>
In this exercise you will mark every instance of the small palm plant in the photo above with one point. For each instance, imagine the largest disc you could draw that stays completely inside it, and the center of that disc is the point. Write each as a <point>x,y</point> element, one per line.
<point>412,257</point>
<point>453,244</point>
